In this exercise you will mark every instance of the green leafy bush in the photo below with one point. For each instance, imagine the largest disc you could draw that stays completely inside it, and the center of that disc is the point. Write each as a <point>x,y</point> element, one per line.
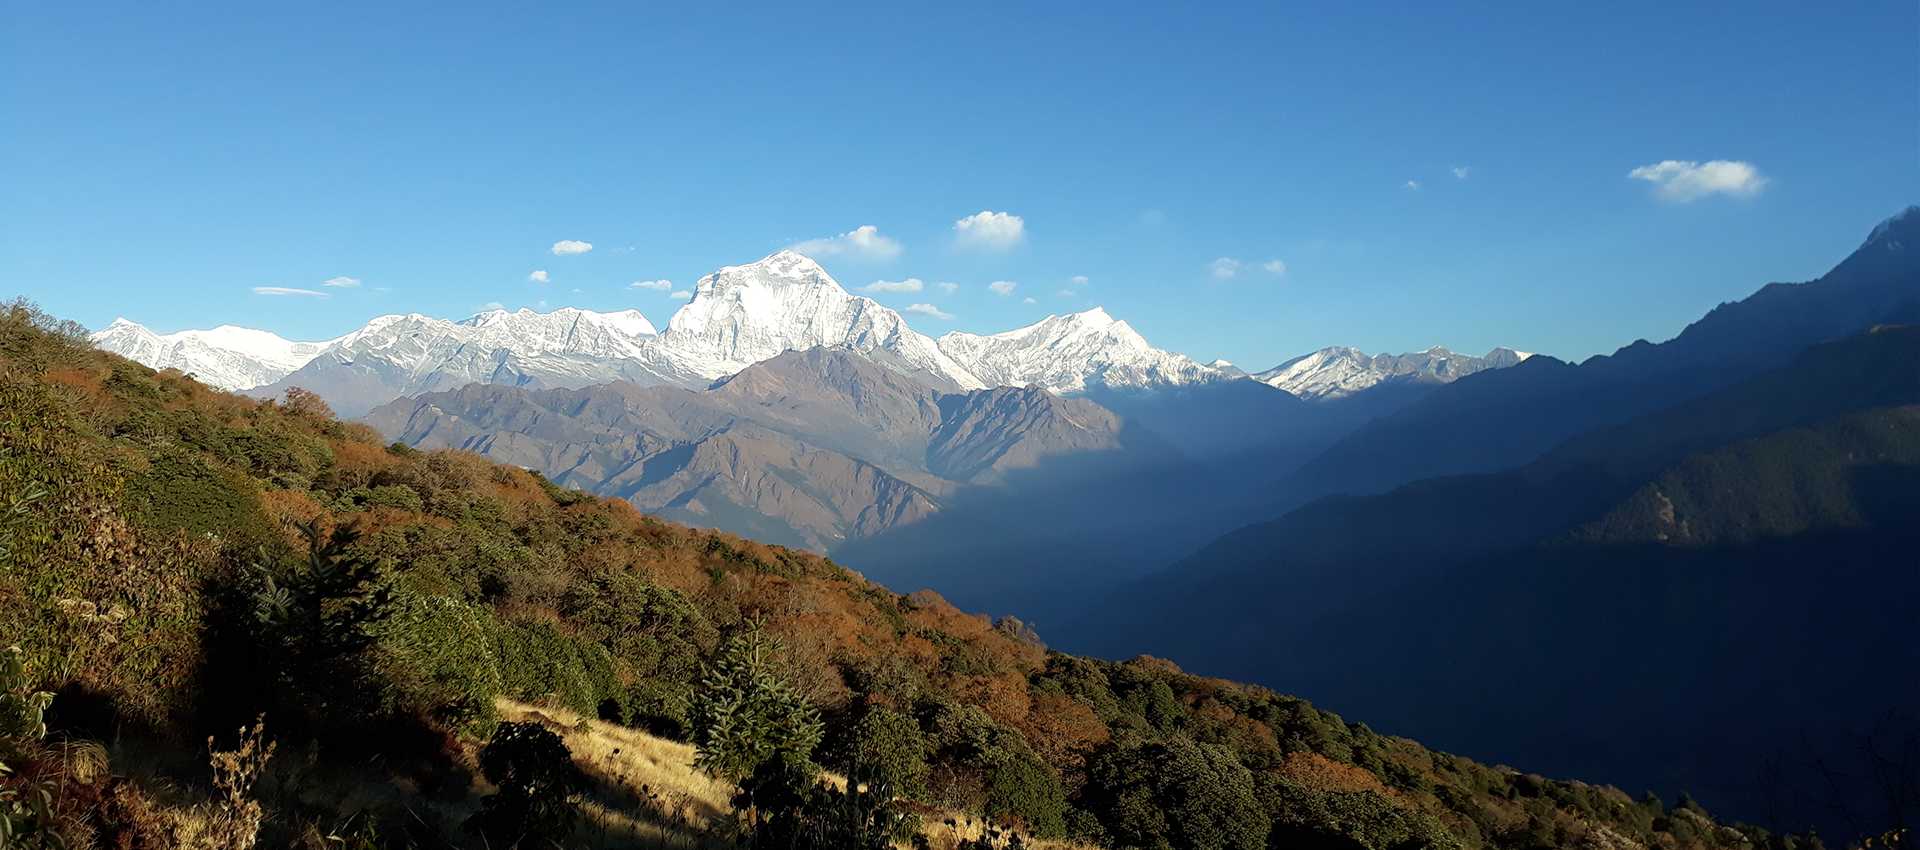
<point>537,779</point>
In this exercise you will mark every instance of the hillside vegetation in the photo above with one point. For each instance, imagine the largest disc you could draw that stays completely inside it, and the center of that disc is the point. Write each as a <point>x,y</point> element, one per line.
<point>1694,598</point>
<point>178,563</point>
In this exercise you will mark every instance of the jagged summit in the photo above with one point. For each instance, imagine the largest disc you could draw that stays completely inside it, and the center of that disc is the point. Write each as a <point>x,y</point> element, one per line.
<point>1897,229</point>
<point>1072,353</point>
<point>1339,371</point>
<point>738,315</point>
<point>741,315</point>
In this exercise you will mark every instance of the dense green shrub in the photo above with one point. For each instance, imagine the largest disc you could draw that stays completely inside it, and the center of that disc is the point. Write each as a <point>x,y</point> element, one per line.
<point>1022,789</point>
<point>886,746</point>
<point>655,630</point>
<point>1178,794</point>
<point>537,779</point>
<point>1365,820</point>
<point>27,818</point>
<point>658,707</point>
<point>538,661</point>
<point>437,661</point>
<point>180,492</point>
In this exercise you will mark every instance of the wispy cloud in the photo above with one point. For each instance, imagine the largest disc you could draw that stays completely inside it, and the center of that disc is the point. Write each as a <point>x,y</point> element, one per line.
<point>569,247</point>
<point>1685,181</point>
<point>341,282</point>
<point>929,310</point>
<point>1067,293</point>
<point>289,291</point>
<point>948,287</point>
<point>912,284</point>
<point>990,231</point>
<point>1002,287</point>
<point>1274,267</point>
<point>1028,300</point>
<point>863,242</point>
<point>1224,268</point>
<point>1078,280</point>
<point>537,276</point>
<point>660,285</point>
<point>681,294</point>
<point>1413,185</point>
<point>1460,172</point>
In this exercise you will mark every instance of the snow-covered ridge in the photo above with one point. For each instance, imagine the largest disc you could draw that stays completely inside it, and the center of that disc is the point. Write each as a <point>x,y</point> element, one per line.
<point>738,316</point>
<point>741,315</point>
<point>1072,352</point>
<point>228,357</point>
<point>1338,372</point>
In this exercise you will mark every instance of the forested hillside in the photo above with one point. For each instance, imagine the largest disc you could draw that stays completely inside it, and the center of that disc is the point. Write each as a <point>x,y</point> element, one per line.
<point>180,563</point>
<point>1716,596</point>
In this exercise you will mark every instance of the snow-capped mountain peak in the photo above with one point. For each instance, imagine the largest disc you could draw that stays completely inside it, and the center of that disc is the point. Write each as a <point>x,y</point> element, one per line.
<point>1072,353</point>
<point>229,357</point>
<point>738,316</point>
<point>741,315</point>
<point>1338,371</point>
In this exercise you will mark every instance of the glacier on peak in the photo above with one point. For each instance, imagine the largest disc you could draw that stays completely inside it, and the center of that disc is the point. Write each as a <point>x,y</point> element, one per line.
<point>737,316</point>
<point>1339,371</point>
<point>229,357</point>
<point>741,315</point>
<point>1073,352</point>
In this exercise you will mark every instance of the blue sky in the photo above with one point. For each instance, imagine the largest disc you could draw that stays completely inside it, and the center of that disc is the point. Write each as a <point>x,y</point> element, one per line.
<point>161,163</point>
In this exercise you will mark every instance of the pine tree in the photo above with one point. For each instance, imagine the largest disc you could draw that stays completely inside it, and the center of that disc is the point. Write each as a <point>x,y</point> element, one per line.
<point>746,715</point>
<point>316,623</point>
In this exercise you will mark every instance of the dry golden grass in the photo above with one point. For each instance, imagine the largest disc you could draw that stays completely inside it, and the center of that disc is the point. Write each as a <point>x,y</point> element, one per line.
<point>650,795</point>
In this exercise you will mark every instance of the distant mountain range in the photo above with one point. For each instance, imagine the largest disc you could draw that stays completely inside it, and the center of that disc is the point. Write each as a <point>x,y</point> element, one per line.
<point>738,316</point>
<point>1532,559</point>
<point>809,448</point>
<point>228,357</point>
<point>1698,573</point>
<point>1339,372</point>
<point>1505,417</point>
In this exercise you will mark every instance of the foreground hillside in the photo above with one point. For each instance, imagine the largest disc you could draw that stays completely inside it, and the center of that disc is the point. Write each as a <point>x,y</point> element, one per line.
<point>176,562</point>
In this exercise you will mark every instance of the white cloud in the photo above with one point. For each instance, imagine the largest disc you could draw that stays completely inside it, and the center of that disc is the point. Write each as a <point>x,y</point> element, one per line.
<point>569,247</point>
<point>682,295</point>
<point>538,276</point>
<point>864,242</point>
<point>948,287</point>
<point>929,310</point>
<point>912,284</point>
<point>1002,287</point>
<point>660,285</point>
<point>492,305</point>
<point>341,282</point>
<point>1275,267</point>
<point>1682,181</point>
<point>1224,268</point>
<point>1028,300</point>
<point>1066,293</point>
<point>1461,171</point>
<point>1413,185</point>
<point>1078,280</point>
<point>287,290</point>
<point>993,231</point>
